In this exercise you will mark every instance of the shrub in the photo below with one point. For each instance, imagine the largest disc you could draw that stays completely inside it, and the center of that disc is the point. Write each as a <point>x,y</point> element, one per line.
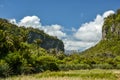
<point>19,62</point>
<point>73,66</point>
<point>83,66</point>
<point>14,61</point>
<point>4,69</point>
<point>103,66</point>
<point>25,67</point>
<point>44,63</point>
<point>118,66</point>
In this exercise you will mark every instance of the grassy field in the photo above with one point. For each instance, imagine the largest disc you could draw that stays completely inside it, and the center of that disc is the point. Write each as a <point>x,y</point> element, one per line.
<point>95,74</point>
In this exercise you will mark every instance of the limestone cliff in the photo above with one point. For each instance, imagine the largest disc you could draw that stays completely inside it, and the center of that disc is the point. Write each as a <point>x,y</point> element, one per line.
<point>111,27</point>
<point>48,42</point>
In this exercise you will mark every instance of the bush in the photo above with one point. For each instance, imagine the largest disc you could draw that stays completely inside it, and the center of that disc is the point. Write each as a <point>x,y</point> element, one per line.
<point>118,66</point>
<point>83,66</point>
<point>73,66</point>
<point>14,61</point>
<point>103,66</point>
<point>44,63</point>
<point>25,68</point>
<point>19,62</point>
<point>4,69</point>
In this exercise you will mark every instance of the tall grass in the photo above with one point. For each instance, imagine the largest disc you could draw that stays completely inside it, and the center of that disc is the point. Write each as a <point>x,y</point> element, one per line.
<point>96,74</point>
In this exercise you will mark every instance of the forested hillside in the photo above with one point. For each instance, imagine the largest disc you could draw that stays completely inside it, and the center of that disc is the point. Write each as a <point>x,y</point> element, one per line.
<point>30,35</point>
<point>110,42</point>
<point>26,50</point>
<point>107,51</point>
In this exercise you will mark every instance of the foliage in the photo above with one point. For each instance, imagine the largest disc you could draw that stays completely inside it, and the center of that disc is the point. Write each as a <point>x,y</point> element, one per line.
<point>5,70</point>
<point>74,66</point>
<point>20,56</point>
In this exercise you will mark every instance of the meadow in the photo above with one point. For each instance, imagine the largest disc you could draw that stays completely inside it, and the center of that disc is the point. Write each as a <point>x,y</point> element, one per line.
<point>94,74</point>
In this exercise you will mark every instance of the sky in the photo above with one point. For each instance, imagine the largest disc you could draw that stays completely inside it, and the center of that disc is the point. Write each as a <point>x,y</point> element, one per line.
<point>77,22</point>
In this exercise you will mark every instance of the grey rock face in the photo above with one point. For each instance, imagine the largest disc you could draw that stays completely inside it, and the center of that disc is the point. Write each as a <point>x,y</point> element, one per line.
<point>48,42</point>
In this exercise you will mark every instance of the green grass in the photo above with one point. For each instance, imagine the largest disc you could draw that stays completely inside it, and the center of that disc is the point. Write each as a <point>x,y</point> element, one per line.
<point>95,74</point>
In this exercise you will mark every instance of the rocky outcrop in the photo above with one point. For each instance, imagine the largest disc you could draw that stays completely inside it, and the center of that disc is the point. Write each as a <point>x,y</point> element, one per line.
<point>111,27</point>
<point>111,32</point>
<point>48,42</point>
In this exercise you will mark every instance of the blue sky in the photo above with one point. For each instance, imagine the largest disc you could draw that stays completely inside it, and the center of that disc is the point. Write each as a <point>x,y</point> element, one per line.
<point>68,13</point>
<point>65,14</point>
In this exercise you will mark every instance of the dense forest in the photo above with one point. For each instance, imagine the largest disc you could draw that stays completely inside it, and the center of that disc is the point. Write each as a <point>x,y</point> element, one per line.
<point>23,53</point>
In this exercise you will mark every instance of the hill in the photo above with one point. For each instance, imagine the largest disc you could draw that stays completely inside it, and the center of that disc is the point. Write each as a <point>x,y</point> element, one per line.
<point>106,54</point>
<point>30,35</point>
<point>27,50</point>
<point>110,42</point>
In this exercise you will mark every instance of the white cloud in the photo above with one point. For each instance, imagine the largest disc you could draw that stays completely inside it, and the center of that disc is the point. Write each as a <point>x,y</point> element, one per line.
<point>86,36</point>
<point>77,45</point>
<point>55,30</point>
<point>30,21</point>
<point>107,13</point>
<point>90,31</point>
